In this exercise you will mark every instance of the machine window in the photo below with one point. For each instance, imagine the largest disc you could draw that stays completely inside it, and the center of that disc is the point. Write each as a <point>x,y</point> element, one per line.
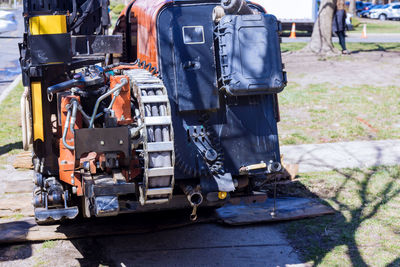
<point>193,34</point>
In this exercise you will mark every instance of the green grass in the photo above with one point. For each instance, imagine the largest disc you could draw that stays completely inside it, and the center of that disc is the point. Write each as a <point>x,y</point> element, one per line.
<point>292,47</point>
<point>320,113</point>
<point>365,229</point>
<point>10,124</point>
<point>49,244</point>
<point>14,217</point>
<point>376,26</point>
<point>360,47</point>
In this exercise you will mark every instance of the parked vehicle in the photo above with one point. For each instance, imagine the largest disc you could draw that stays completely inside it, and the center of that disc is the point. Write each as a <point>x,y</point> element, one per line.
<point>367,11</point>
<point>302,12</point>
<point>360,6</point>
<point>8,21</point>
<point>389,11</point>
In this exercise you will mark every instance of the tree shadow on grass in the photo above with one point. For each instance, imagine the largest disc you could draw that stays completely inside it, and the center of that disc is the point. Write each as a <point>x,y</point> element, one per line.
<point>317,237</point>
<point>379,48</point>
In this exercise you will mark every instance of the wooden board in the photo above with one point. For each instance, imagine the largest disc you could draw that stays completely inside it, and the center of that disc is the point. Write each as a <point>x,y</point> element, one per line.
<point>23,160</point>
<point>27,230</point>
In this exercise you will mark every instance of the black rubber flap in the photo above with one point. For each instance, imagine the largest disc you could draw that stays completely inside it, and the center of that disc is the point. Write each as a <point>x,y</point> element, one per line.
<point>287,208</point>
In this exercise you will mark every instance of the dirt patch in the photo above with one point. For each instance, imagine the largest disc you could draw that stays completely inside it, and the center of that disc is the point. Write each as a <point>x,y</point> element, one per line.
<point>373,68</point>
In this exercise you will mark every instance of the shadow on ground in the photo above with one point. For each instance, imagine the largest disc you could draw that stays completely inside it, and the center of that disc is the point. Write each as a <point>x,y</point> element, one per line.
<point>8,147</point>
<point>362,199</point>
<point>379,48</point>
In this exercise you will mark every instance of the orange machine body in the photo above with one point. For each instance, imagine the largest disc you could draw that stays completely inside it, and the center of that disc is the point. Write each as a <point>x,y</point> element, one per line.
<point>121,106</point>
<point>67,159</point>
<point>145,13</point>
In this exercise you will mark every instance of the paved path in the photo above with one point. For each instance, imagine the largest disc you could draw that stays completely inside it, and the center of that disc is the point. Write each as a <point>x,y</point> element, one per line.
<point>324,157</point>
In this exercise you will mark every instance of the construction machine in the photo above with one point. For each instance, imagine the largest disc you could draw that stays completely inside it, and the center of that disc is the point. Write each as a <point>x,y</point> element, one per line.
<point>176,108</point>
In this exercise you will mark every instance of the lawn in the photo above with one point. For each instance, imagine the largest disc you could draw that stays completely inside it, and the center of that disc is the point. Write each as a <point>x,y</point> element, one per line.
<point>10,124</point>
<point>376,26</point>
<point>365,230</point>
<point>320,113</point>
<point>355,47</point>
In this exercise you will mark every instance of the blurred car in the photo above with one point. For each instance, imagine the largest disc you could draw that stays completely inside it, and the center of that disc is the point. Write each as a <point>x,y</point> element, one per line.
<point>8,22</point>
<point>367,10</point>
<point>360,6</point>
<point>389,11</point>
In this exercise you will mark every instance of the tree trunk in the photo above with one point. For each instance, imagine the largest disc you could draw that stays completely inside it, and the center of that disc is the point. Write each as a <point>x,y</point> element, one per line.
<point>321,38</point>
<point>352,7</point>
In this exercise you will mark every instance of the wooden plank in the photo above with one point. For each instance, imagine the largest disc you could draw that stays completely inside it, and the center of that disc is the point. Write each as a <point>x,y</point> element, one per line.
<point>23,160</point>
<point>28,231</point>
<point>16,205</point>
<point>19,186</point>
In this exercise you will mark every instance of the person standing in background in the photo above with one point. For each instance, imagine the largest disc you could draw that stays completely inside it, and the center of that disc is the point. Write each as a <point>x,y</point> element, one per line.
<point>339,24</point>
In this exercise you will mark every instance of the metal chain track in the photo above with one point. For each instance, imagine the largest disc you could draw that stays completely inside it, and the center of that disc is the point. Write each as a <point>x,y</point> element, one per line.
<point>157,133</point>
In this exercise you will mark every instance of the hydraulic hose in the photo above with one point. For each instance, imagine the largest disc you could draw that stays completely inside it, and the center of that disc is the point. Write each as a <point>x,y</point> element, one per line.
<point>101,98</point>
<point>138,62</point>
<point>73,116</point>
<point>67,121</point>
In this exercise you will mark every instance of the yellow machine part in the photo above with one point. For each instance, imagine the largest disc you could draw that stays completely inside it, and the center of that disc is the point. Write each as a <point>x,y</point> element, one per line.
<point>37,111</point>
<point>49,24</point>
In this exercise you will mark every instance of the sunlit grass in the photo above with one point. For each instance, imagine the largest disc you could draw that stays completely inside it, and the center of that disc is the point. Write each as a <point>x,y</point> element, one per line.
<point>361,47</point>
<point>10,123</point>
<point>364,230</point>
<point>320,113</point>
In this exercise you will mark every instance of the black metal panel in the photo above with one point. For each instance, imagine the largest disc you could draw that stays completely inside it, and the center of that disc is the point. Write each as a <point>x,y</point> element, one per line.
<point>50,48</point>
<point>46,6</point>
<point>187,33</point>
<point>243,130</point>
<point>102,140</point>
<point>95,44</point>
<point>113,189</point>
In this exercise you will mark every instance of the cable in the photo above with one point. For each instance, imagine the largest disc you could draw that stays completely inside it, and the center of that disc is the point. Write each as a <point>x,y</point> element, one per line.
<point>141,64</point>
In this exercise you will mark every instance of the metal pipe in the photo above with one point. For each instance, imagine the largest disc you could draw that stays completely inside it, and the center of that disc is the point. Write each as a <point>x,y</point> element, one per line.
<point>66,130</point>
<point>101,98</point>
<point>73,116</point>
<point>193,195</point>
<point>112,101</point>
